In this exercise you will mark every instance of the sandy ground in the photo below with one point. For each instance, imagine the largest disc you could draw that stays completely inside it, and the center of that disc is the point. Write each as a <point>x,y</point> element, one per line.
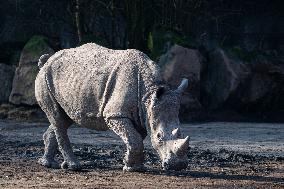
<point>222,155</point>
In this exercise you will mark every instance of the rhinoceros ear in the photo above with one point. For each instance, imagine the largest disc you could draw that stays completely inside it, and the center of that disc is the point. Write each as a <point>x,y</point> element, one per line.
<point>158,94</point>
<point>183,85</point>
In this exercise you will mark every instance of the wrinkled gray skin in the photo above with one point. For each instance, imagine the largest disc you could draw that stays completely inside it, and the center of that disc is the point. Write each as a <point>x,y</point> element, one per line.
<point>103,89</point>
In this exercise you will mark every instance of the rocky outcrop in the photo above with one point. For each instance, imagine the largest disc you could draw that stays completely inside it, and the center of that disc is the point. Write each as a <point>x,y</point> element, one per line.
<point>21,113</point>
<point>262,90</point>
<point>220,78</point>
<point>26,72</point>
<point>6,79</point>
<point>181,62</point>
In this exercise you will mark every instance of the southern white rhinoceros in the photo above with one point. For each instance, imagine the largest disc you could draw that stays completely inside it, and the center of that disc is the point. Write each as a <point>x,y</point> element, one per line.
<point>101,89</point>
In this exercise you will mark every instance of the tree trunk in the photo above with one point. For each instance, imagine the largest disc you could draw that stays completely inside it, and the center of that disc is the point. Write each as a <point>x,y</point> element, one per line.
<point>78,23</point>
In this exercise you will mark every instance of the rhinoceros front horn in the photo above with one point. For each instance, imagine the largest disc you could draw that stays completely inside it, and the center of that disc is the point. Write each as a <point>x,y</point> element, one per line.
<point>181,146</point>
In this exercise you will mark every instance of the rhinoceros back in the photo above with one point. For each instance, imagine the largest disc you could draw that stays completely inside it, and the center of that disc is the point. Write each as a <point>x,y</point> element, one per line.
<point>92,82</point>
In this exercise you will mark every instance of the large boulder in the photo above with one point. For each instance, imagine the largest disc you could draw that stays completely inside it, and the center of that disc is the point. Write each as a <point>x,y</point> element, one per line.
<point>6,79</point>
<point>263,89</point>
<point>26,72</point>
<point>181,62</point>
<point>221,78</point>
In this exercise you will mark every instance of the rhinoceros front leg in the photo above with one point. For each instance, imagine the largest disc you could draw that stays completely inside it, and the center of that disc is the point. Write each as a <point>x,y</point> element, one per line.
<point>134,156</point>
<point>50,149</point>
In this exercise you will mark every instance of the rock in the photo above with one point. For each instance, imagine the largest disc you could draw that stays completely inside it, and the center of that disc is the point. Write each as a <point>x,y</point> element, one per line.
<point>6,79</point>
<point>4,108</point>
<point>263,89</point>
<point>26,72</point>
<point>22,113</point>
<point>181,62</point>
<point>26,113</point>
<point>221,78</point>
<point>257,86</point>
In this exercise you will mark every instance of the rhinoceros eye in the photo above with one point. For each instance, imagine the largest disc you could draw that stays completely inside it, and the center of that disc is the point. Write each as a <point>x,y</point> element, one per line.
<point>159,136</point>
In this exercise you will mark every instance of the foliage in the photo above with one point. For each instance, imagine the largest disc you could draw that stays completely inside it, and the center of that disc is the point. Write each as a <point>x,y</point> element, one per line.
<point>150,26</point>
<point>242,54</point>
<point>160,40</point>
<point>253,56</point>
<point>150,42</point>
<point>36,44</point>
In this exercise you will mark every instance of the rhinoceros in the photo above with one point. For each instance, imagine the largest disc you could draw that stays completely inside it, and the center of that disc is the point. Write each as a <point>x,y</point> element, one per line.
<point>105,89</point>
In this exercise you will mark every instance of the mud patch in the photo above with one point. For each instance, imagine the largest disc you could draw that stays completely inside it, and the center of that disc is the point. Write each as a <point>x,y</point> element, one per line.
<point>21,146</point>
<point>102,168</point>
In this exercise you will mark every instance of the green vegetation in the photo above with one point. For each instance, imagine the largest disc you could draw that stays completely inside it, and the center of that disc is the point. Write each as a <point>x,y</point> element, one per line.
<point>252,56</point>
<point>150,42</point>
<point>242,54</point>
<point>36,45</point>
<point>160,40</point>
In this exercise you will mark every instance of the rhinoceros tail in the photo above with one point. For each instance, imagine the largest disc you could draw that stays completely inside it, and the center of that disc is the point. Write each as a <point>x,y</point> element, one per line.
<point>43,59</point>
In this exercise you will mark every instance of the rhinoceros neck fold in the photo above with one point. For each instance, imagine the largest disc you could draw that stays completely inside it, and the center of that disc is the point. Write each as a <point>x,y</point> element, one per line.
<point>149,80</point>
<point>144,108</point>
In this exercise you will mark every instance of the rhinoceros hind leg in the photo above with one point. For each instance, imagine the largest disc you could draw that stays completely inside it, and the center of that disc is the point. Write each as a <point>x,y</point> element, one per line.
<point>60,122</point>
<point>50,149</point>
<point>70,161</point>
<point>134,156</point>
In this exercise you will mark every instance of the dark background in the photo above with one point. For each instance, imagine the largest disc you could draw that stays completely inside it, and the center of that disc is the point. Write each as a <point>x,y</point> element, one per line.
<point>250,33</point>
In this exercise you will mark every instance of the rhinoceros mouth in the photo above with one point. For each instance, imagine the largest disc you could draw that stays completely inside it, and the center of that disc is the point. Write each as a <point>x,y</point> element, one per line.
<point>176,165</point>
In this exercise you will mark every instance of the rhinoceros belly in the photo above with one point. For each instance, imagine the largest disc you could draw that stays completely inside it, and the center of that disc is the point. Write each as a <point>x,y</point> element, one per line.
<point>93,122</point>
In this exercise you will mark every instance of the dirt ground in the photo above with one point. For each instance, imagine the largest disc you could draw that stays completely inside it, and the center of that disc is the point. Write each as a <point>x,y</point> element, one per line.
<point>219,157</point>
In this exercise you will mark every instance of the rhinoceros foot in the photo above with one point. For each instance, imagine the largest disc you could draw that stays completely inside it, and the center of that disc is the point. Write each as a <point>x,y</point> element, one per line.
<point>49,163</point>
<point>71,165</point>
<point>136,168</point>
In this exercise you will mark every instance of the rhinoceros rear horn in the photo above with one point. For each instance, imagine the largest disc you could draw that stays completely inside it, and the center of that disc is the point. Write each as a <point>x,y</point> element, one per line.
<point>181,146</point>
<point>176,133</point>
<point>183,85</point>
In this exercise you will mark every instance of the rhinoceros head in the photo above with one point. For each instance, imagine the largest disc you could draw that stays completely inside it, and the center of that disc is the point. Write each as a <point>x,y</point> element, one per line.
<point>163,119</point>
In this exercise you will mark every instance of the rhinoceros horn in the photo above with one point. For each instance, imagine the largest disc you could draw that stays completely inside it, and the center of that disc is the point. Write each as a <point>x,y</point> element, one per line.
<point>176,133</point>
<point>181,146</point>
<point>183,85</point>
